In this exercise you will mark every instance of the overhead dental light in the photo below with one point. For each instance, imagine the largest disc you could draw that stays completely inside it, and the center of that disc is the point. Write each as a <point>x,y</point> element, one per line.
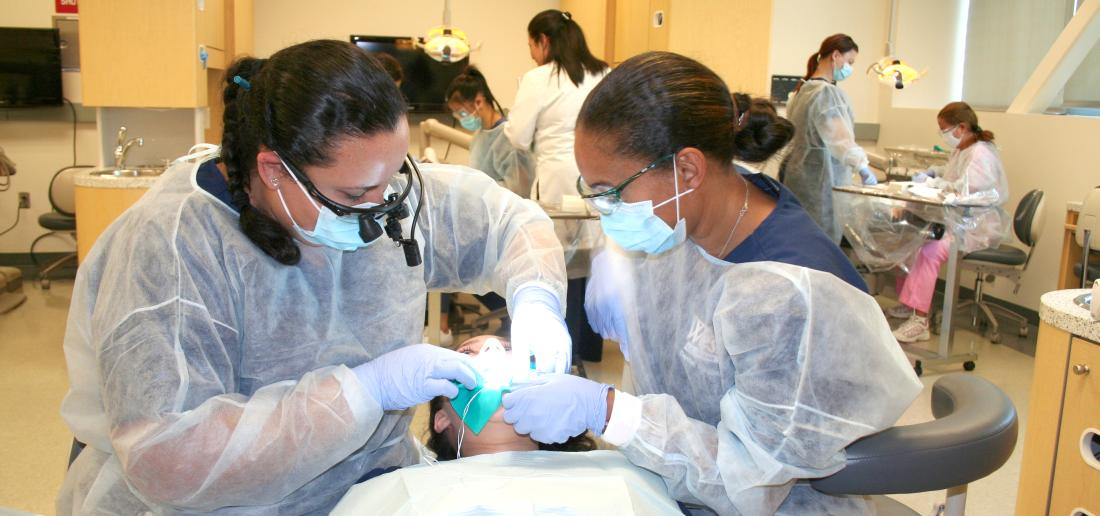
<point>892,70</point>
<point>445,43</point>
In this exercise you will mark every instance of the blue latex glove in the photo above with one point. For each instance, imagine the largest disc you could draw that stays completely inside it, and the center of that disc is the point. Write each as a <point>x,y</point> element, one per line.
<point>537,326</point>
<point>868,176</point>
<point>603,300</point>
<point>415,374</point>
<point>921,177</point>
<point>556,407</point>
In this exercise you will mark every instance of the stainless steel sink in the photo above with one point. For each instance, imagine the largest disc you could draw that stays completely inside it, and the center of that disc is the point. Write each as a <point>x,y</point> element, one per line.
<point>140,171</point>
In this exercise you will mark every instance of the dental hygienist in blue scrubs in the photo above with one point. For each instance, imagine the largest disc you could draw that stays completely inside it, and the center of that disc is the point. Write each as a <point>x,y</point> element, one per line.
<point>244,339</point>
<point>749,374</point>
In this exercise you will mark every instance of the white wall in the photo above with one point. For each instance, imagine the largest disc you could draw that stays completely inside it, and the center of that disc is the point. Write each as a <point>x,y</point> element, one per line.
<point>38,147</point>
<point>799,26</point>
<point>499,26</point>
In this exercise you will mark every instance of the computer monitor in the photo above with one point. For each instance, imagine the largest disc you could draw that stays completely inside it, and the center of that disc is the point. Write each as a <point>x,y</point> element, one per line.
<point>30,67</point>
<point>426,79</point>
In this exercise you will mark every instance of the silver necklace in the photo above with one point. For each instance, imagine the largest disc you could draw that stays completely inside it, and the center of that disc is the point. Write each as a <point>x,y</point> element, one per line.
<point>744,210</point>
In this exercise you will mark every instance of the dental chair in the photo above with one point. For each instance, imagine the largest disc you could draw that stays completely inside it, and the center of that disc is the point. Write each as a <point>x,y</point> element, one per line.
<point>972,436</point>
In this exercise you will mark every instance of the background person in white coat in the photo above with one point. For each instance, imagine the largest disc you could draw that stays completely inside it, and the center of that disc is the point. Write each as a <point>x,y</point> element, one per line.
<point>543,117</point>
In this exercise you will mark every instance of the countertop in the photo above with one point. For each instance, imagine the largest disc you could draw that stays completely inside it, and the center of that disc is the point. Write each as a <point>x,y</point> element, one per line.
<point>87,180</point>
<point>1058,310</point>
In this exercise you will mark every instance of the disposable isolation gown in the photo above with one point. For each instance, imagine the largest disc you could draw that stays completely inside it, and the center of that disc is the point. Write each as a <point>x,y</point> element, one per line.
<point>205,376</point>
<point>543,118</point>
<point>753,375</point>
<point>888,233</point>
<point>596,483</point>
<point>512,168</point>
<point>823,152</point>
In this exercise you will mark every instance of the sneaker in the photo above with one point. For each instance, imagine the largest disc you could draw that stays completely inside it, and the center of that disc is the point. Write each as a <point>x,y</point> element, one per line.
<point>899,311</point>
<point>913,330</point>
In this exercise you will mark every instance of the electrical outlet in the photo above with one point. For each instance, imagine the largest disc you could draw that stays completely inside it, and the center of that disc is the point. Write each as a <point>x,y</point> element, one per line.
<point>24,200</point>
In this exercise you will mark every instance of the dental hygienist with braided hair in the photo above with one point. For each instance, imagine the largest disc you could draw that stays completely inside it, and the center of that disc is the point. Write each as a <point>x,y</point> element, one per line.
<point>246,337</point>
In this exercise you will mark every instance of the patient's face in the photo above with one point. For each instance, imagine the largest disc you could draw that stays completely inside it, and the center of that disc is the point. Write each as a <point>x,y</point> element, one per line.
<point>496,436</point>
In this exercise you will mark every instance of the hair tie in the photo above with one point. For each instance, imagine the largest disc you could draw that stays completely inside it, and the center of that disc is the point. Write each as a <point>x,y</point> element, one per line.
<point>566,15</point>
<point>738,118</point>
<point>242,82</point>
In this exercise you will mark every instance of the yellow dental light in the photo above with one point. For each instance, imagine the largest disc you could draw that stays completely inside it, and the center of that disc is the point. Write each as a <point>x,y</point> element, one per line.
<point>895,72</point>
<point>445,43</point>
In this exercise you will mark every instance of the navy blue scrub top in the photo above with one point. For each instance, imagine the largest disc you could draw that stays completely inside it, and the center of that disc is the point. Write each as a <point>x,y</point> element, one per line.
<point>209,178</point>
<point>788,235</point>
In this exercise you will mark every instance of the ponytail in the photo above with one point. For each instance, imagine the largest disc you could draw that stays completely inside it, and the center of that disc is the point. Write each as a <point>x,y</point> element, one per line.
<point>568,48</point>
<point>842,43</point>
<point>957,113</point>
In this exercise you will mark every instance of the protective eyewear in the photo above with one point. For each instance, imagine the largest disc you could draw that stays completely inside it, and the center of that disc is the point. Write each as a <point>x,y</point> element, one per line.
<point>607,201</point>
<point>393,209</point>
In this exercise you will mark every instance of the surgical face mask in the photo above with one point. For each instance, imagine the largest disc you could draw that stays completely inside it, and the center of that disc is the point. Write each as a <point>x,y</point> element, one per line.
<point>845,71</point>
<point>635,226</point>
<point>949,137</point>
<point>331,230</point>
<point>469,121</point>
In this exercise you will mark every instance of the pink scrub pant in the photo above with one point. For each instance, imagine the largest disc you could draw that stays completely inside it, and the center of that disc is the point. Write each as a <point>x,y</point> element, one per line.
<point>916,289</point>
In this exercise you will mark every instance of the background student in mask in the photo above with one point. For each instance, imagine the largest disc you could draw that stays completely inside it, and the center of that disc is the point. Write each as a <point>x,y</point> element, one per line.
<point>824,152</point>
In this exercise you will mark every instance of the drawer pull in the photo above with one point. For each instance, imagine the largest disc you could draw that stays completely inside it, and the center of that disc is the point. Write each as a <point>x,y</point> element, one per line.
<point>1080,369</point>
<point>1090,447</point>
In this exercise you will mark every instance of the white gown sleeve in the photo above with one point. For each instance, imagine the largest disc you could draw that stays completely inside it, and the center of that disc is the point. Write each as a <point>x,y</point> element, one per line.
<point>482,237</point>
<point>183,437</point>
<point>524,115</point>
<point>816,368</point>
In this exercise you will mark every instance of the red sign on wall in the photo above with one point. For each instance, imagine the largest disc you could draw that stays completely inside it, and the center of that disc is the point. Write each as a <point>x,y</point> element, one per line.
<point>65,6</point>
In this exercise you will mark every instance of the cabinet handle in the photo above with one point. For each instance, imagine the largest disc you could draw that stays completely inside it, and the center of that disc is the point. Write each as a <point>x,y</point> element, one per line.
<point>1080,369</point>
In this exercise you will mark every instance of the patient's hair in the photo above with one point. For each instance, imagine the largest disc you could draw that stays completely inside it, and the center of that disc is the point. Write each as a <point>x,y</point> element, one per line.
<point>444,450</point>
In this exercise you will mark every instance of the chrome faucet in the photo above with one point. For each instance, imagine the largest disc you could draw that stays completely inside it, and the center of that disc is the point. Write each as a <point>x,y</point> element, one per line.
<point>123,148</point>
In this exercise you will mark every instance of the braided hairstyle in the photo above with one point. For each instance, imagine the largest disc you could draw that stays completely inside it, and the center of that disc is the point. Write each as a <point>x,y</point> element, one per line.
<point>300,102</point>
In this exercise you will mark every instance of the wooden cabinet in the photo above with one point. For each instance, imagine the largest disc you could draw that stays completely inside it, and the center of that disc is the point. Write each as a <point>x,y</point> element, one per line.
<point>640,26</point>
<point>98,208</point>
<point>141,53</point>
<point>1065,402</point>
<point>1077,481</point>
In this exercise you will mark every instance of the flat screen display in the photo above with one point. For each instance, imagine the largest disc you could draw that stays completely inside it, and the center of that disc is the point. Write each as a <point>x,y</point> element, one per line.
<point>30,67</point>
<point>426,79</point>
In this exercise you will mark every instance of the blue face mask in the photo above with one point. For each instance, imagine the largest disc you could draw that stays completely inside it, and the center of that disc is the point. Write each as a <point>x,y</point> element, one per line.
<point>845,71</point>
<point>470,121</point>
<point>331,230</point>
<point>635,226</point>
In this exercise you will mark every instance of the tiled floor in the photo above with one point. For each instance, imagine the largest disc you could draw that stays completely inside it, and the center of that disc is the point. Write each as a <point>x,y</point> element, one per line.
<point>36,441</point>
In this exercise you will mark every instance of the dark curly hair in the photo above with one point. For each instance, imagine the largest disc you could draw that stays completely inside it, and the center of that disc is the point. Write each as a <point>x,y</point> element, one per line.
<point>300,102</point>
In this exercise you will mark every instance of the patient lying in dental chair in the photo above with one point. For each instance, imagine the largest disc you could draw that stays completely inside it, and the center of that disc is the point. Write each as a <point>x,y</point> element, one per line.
<point>478,464</point>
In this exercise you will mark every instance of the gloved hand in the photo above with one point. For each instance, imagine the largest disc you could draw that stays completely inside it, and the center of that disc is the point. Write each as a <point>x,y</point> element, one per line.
<point>415,374</point>
<point>921,177</point>
<point>537,326</point>
<point>868,176</point>
<point>603,299</point>
<point>556,407</point>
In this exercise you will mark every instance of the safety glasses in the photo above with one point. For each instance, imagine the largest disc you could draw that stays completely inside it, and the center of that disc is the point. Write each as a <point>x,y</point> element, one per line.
<point>607,201</point>
<point>369,228</point>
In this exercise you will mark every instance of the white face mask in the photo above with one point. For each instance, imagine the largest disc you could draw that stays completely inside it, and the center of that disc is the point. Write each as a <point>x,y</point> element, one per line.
<point>949,137</point>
